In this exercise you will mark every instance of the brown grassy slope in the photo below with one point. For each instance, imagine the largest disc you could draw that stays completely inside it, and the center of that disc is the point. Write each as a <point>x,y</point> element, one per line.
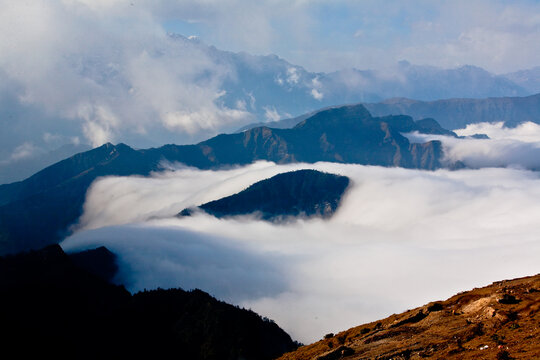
<point>500,321</point>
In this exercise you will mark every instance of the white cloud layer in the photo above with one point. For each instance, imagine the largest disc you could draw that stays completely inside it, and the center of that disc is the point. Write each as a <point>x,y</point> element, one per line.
<point>400,238</point>
<point>514,147</point>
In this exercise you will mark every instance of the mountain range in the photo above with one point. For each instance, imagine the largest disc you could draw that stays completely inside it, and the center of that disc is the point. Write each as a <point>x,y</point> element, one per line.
<point>39,210</point>
<point>458,113</point>
<point>261,88</point>
<point>271,87</point>
<point>450,113</point>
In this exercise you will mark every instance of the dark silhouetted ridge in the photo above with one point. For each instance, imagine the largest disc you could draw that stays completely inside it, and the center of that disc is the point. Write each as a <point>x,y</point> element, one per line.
<point>50,307</point>
<point>298,193</point>
<point>100,262</point>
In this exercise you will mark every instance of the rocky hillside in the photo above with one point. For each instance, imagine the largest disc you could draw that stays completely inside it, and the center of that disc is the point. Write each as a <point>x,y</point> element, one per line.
<point>500,321</point>
<point>297,193</point>
<point>50,307</point>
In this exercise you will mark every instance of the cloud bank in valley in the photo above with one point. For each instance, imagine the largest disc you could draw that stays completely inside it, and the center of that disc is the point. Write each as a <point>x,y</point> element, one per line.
<point>514,147</point>
<point>401,238</point>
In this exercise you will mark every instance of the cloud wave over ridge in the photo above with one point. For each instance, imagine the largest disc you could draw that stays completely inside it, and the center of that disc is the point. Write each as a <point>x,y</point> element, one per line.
<point>400,238</point>
<point>506,147</point>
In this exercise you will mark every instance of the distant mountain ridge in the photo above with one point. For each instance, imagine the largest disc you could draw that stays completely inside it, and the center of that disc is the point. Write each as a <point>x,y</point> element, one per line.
<point>458,113</point>
<point>52,199</point>
<point>271,87</point>
<point>529,79</point>
<point>450,113</point>
<point>306,193</point>
<point>256,88</point>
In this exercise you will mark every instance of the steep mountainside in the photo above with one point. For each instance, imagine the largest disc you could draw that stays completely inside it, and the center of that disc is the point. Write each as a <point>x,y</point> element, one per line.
<point>50,307</point>
<point>38,211</point>
<point>500,321</point>
<point>303,192</point>
<point>19,169</point>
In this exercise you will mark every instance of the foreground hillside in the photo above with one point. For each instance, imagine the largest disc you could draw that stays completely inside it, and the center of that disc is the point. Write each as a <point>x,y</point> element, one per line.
<point>500,321</point>
<point>54,305</point>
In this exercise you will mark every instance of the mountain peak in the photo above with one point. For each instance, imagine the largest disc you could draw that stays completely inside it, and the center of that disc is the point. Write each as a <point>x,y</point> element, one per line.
<point>336,116</point>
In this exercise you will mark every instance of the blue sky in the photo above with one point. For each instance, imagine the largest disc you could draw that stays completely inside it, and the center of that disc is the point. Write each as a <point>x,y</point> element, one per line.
<point>501,36</point>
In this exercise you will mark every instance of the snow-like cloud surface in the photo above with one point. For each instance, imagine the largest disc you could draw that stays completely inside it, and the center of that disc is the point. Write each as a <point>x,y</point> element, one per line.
<point>399,239</point>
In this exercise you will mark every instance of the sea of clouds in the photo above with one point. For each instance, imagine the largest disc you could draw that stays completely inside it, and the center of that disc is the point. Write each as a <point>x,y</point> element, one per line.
<point>399,239</point>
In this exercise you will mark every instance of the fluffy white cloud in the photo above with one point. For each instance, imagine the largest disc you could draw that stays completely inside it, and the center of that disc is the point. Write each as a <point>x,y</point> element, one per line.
<point>271,114</point>
<point>400,238</point>
<point>317,95</point>
<point>23,151</point>
<point>112,68</point>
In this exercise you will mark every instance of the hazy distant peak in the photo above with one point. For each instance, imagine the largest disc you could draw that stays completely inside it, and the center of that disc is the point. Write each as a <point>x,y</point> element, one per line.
<point>398,100</point>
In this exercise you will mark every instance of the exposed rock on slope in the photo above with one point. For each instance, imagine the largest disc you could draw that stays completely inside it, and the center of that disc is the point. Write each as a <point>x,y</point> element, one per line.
<point>50,307</point>
<point>500,321</point>
<point>302,192</point>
